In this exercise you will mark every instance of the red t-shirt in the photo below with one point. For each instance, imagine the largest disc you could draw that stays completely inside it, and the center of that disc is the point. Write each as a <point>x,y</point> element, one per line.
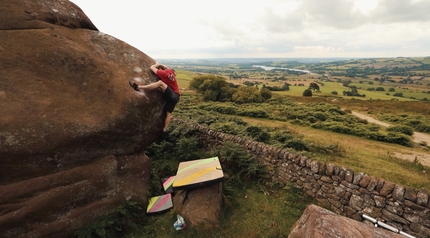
<point>168,76</point>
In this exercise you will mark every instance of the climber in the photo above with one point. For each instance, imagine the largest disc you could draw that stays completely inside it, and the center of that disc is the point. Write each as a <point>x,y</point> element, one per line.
<point>167,84</point>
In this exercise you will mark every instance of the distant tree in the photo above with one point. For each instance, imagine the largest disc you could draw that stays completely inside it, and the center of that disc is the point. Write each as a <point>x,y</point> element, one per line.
<point>196,82</point>
<point>354,90</point>
<point>398,95</point>
<point>334,93</point>
<point>346,83</point>
<point>248,83</point>
<point>307,93</point>
<point>265,93</point>
<point>314,87</point>
<point>347,93</point>
<point>380,89</point>
<point>212,87</point>
<point>391,90</point>
<point>232,85</point>
<point>246,94</point>
<point>286,87</point>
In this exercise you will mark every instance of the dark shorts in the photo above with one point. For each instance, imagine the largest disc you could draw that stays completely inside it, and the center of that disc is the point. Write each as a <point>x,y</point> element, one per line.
<point>172,99</point>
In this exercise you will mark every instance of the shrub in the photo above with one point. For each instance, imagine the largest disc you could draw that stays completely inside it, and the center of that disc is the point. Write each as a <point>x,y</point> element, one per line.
<point>398,138</point>
<point>253,113</point>
<point>212,87</point>
<point>258,134</point>
<point>401,129</point>
<point>245,94</point>
<point>336,110</point>
<point>297,144</point>
<point>187,148</point>
<point>263,137</point>
<point>115,224</point>
<point>224,109</point>
<point>332,149</point>
<point>320,116</point>
<point>307,93</point>
<point>253,131</point>
<point>228,127</point>
<point>282,135</point>
<point>266,94</point>
<point>238,165</point>
<point>424,128</point>
<point>375,136</point>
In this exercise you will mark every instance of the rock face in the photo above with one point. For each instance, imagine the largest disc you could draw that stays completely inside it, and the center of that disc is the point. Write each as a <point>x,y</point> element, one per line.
<point>200,207</point>
<point>317,222</point>
<point>56,205</point>
<point>71,128</point>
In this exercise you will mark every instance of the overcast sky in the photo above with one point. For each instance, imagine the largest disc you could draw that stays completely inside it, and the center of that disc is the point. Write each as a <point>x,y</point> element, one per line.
<point>173,29</point>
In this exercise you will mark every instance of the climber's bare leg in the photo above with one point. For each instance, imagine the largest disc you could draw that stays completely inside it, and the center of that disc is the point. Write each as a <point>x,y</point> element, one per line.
<point>167,121</point>
<point>157,85</point>
<point>162,86</point>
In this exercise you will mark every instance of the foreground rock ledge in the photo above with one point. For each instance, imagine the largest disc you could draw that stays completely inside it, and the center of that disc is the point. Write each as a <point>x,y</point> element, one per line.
<point>317,222</point>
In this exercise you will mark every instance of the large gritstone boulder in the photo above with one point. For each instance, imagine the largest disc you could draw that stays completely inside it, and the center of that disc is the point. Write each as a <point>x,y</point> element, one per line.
<point>72,130</point>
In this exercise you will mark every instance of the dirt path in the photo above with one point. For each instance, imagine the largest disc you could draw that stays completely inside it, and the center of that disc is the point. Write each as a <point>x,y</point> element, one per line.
<point>417,137</point>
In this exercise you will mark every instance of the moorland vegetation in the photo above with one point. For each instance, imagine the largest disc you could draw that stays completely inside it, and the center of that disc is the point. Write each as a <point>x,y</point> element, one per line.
<point>272,107</point>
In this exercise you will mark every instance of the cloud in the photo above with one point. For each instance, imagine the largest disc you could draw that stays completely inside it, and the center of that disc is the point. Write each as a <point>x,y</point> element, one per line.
<point>389,11</point>
<point>339,14</point>
<point>269,28</point>
<point>275,23</point>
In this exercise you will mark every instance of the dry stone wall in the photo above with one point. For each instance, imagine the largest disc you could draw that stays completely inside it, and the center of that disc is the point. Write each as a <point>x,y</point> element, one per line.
<point>339,189</point>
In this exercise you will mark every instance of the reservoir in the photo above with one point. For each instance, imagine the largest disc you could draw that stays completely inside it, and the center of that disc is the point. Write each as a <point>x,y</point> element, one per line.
<point>270,68</point>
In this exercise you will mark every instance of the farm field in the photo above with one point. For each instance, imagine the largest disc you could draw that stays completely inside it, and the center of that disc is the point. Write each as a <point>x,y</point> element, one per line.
<point>402,79</point>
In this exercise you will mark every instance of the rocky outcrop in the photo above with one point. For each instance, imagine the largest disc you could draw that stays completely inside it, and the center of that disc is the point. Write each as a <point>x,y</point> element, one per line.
<point>317,222</point>
<point>200,207</point>
<point>71,128</point>
<point>58,204</point>
<point>42,14</point>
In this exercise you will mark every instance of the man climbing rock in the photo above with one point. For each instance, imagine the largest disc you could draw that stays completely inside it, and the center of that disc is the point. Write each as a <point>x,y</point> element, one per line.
<point>167,84</point>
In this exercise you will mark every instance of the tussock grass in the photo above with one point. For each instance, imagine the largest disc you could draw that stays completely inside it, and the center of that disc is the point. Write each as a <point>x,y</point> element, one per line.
<point>267,210</point>
<point>361,155</point>
<point>253,212</point>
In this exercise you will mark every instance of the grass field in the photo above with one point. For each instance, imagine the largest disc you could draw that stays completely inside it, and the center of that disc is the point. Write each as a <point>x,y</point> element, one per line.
<point>270,211</point>
<point>301,83</point>
<point>368,156</point>
<point>371,157</point>
<point>250,212</point>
